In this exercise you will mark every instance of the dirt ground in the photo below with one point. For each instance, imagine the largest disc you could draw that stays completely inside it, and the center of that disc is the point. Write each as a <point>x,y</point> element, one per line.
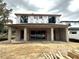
<point>35,50</point>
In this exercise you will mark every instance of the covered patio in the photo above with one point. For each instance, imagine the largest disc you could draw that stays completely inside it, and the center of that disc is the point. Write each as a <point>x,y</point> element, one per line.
<point>50,32</point>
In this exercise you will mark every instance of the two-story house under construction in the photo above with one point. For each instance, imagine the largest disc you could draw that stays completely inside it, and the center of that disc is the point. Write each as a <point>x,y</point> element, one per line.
<point>38,27</point>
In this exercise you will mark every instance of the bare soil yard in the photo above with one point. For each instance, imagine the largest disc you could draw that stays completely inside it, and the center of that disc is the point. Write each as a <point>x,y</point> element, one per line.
<point>40,51</point>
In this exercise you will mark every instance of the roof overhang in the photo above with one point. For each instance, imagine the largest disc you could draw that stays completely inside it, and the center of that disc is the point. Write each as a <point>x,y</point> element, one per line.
<point>31,25</point>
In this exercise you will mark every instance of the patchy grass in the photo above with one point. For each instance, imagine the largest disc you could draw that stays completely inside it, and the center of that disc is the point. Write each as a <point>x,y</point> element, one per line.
<point>38,50</point>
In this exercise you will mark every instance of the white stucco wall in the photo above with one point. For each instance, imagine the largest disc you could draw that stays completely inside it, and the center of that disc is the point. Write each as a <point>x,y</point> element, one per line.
<point>57,19</point>
<point>17,20</point>
<point>74,36</point>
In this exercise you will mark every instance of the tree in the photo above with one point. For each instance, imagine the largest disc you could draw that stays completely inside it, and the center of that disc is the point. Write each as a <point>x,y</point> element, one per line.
<point>4,14</point>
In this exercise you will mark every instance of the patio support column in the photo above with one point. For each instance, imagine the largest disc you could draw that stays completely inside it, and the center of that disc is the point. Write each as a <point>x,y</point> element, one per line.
<point>25,34</point>
<point>67,35</point>
<point>52,34</point>
<point>9,33</point>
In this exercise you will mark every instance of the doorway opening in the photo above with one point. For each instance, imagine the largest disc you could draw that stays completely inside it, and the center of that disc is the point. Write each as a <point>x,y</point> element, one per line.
<point>21,35</point>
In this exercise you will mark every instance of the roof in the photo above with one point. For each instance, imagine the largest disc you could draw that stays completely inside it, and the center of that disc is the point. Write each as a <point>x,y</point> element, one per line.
<point>74,28</point>
<point>38,14</point>
<point>71,21</point>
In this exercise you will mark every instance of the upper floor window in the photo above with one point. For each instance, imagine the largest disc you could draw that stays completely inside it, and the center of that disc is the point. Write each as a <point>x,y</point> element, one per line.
<point>52,19</point>
<point>73,32</point>
<point>40,17</point>
<point>24,19</point>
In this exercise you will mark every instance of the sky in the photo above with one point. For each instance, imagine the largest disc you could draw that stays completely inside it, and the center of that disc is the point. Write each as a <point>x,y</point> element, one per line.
<point>69,9</point>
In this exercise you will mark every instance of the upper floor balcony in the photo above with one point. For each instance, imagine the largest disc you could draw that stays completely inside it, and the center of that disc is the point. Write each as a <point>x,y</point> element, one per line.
<point>37,18</point>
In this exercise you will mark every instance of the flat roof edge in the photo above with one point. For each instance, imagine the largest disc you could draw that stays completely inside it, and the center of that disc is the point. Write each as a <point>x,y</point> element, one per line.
<point>30,14</point>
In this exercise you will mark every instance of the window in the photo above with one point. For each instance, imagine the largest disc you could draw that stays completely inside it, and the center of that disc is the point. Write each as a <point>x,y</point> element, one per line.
<point>24,19</point>
<point>52,20</point>
<point>73,32</point>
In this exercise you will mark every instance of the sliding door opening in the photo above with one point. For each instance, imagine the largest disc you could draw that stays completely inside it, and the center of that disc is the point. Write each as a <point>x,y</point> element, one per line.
<point>38,35</point>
